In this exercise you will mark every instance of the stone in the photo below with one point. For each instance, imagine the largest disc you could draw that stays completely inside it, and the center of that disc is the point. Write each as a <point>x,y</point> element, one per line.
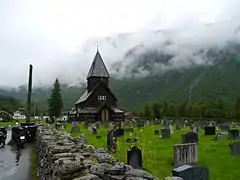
<point>233,134</point>
<point>190,137</point>
<point>224,127</point>
<point>165,133</point>
<point>173,178</point>
<point>112,141</point>
<point>185,154</point>
<point>103,157</point>
<point>75,129</point>
<point>210,130</point>
<point>119,132</point>
<point>139,173</point>
<point>94,131</point>
<point>178,125</point>
<point>188,172</point>
<point>88,177</point>
<point>220,136</point>
<point>235,148</point>
<point>134,157</point>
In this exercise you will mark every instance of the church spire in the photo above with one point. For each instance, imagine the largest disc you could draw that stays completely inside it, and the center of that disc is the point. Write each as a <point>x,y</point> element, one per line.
<point>98,68</point>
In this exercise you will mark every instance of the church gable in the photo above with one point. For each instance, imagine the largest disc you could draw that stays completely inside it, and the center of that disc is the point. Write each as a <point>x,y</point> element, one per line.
<point>101,93</point>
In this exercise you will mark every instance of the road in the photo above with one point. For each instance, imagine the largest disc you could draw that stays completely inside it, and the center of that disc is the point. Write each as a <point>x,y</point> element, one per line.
<point>9,168</point>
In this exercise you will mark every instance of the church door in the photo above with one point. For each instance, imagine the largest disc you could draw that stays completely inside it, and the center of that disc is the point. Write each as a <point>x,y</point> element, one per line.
<point>104,115</point>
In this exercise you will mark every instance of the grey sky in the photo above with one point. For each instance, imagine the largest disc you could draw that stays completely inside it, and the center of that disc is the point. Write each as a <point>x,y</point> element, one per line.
<point>58,36</point>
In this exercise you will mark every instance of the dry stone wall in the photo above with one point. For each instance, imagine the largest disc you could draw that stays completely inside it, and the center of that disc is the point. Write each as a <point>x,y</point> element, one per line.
<point>62,157</point>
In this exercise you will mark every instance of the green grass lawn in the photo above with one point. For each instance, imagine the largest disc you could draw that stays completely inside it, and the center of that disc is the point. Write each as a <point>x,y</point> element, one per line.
<point>158,153</point>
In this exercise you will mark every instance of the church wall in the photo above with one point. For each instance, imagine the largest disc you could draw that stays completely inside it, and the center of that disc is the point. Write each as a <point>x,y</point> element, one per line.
<point>93,81</point>
<point>100,91</point>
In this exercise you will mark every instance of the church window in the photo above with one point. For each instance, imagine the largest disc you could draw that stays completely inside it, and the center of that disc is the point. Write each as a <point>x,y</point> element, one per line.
<point>102,98</point>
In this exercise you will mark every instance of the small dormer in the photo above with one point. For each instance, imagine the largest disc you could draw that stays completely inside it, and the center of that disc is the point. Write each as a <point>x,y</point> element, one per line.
<point>98,72</point>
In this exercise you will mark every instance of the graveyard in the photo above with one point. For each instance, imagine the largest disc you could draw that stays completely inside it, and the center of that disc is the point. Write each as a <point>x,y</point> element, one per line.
<point>157,153</point>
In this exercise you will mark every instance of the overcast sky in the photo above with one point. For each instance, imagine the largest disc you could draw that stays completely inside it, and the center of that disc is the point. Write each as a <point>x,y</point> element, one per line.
<point>41,32</point>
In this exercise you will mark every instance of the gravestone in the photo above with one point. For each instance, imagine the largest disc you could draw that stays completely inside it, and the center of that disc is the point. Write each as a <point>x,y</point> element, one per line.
<point>94,131</point>
<point>178,125</point>
<point>171,129</point>
<point>111,141</point>
<point>190,137</point>
<point>210,130</point>
<point>220,136</point>
<point>233,134</point>
<point>165,133</point>
<point>188,172</point>
<point>235,148</point>
<point>134,157</point>
<point>119,132</point>
<point>195,128</point>
<point>156,132</point>
<point>75,129</point>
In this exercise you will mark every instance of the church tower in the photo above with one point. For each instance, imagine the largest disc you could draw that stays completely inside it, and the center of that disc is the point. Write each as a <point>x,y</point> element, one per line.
<point>98,72</point>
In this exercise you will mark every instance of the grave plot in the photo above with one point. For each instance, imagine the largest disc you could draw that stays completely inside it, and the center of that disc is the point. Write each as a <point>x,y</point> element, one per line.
<point>158,153</point>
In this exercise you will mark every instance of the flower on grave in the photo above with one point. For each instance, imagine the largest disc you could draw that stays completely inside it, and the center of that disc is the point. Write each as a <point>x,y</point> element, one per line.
<point>141,130</point>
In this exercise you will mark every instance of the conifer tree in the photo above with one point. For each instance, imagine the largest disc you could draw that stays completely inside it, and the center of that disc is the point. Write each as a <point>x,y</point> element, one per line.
<point>55,103</point>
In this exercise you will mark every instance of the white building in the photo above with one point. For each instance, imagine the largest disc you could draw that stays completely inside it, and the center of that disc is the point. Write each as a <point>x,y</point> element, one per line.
<point>18,115</point>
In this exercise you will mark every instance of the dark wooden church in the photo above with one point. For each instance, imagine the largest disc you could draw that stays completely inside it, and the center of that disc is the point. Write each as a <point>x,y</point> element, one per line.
<point>97,103</point>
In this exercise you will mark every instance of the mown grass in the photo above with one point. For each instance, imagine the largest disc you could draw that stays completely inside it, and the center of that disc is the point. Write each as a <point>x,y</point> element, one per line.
<point>34,162</point>
<point>158,153</point>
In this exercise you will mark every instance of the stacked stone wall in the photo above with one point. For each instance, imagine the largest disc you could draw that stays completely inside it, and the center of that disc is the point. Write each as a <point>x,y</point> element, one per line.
<point>62,157</point>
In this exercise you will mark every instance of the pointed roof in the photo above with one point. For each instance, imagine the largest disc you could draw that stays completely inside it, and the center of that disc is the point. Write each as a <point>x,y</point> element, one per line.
<point>98,68</point>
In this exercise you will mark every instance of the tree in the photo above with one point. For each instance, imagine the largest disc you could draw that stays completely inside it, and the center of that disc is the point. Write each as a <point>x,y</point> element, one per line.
<point>156,110</point>
<point>55,103</point>
<point>147,111</point>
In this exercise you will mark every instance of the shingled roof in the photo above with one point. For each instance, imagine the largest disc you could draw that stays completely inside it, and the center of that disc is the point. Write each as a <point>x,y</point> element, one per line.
<point>98,68</point>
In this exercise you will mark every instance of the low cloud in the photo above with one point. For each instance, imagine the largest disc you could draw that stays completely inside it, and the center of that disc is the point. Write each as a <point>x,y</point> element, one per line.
<point>61,42</point>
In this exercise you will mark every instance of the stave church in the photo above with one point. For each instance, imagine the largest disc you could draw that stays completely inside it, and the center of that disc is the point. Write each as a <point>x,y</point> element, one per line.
<point>97,103</point>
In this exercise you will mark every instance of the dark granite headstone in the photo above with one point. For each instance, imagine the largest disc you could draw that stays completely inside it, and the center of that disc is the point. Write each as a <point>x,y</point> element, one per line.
<point>210,130</point>
<point>165,133</point>
<point>235,148</point>
<point>190,137</point>
<point>188,172</point>
<point>119,132</point>
<point>156,132</point>
<point>111,141</point>
<point>233,134</point>
<point>134,157</point>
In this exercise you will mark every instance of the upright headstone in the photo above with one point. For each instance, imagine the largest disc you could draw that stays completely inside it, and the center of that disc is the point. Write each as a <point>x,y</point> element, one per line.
<point>185,154</point>
<point>171,129</point>
<point>165,133</point>
<point>75,129</point>
<point>119,132</point>
<point>195,128</point>
<point>178,125</point>
<point>111,141</point>
<point>233,134</point>
<point>188,172</point>
<point>94,130</point>
<point>134,157</point>
<point>235,148</point>
<point>190,137</point>
<point>210,130</point>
